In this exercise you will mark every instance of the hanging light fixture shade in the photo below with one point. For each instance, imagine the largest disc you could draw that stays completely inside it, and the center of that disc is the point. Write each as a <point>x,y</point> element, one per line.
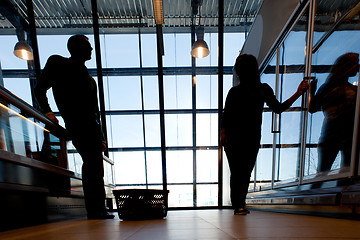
<point>200,49</point>
<point>23,50</point>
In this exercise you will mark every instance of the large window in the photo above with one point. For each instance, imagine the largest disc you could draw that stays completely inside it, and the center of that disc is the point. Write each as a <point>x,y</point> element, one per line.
<point>191,124</point>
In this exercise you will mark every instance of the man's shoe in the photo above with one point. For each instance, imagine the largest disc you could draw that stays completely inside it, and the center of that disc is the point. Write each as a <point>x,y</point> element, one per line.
<point>241,211</point>
<point>101,216</point>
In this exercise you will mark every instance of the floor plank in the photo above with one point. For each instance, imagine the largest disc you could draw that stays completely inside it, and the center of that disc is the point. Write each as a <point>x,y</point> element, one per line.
<point>196,224</point>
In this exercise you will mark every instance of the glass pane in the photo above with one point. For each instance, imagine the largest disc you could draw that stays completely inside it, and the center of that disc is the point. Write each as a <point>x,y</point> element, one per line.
<point>152,130</point>
<point>206,92</point>
<point>156,187</point>
<point>329,136</point>
<point>120,50</point>
<point>264,167</point>
<point>177,92</point>
<point>311,163</point>
<point>127,131</point>
<point>207,129</point>
<point>206,195</point>
<point>286,167</point>
<point>206,166</point>
<point>233,43</point>
<point>151,92</point>
<point>331,49</point>
<point>129,167</point>
<point>228,83</point>
<point>149,50</point>
<point>109,131</point>
<point>315,121</point>
<point>177,49</point>
<point>213,45</point>
<point>226,181</point>
<point>178,129</point>
<point>269,75</point>
<point>179,166</point>
<point>181,195</point>
<point>290,83</point>
<point>290,128</point>
<point>19,87</point>
<point>294,45</point>
<point>287,160</point>
<point>108,173</point>
<point>124,93</point>
<point>266,135</point>
<point>154,167</point>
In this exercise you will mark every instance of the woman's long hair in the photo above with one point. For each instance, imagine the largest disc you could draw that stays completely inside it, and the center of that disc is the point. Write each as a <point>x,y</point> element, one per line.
<point>247,69</point>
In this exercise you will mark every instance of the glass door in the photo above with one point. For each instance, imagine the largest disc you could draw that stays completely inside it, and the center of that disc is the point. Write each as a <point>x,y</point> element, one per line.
<point>287,127</point>
<point>333,99</point>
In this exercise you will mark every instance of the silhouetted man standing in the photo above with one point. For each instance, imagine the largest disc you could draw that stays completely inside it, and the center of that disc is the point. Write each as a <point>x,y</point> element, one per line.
<point>75,93</point>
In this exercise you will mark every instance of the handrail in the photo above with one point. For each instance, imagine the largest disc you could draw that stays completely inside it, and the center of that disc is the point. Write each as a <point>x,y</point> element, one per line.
<point>108,160</point>
<point>28,109</point>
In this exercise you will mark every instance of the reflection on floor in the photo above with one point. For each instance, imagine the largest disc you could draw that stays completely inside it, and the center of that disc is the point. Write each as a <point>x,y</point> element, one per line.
<point>196,224</point>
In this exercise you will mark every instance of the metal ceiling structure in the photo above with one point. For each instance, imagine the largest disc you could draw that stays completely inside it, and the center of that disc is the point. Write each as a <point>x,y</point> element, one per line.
<point>125,16</point>
<point>118,16</point>
<point>329,12</point>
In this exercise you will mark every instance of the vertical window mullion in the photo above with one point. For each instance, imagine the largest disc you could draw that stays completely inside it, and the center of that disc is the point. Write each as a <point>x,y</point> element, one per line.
<point>193,66</point>
<point>142,106</point>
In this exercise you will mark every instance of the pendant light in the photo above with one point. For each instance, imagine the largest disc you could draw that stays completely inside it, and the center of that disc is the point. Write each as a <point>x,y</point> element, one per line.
<point>200,49</point>
<point>22,49</point>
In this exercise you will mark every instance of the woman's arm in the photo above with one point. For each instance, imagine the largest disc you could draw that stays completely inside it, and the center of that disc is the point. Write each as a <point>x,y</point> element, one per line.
<point>278,107</point>
<point>303,86</point>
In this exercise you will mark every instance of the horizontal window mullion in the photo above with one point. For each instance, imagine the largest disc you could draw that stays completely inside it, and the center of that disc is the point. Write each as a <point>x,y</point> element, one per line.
<point>157,184</point>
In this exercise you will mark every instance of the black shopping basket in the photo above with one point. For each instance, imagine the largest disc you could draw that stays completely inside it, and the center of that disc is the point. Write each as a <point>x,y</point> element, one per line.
<point>135,204</point>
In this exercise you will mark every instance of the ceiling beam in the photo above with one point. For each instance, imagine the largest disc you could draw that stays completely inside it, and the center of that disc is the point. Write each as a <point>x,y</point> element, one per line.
<point>9,11</point>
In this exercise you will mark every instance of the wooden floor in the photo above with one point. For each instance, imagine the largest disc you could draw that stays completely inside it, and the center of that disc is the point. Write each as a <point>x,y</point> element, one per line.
<point>197,224</point>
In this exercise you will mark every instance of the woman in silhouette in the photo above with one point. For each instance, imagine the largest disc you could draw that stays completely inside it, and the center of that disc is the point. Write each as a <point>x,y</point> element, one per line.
<point>241,125</point>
